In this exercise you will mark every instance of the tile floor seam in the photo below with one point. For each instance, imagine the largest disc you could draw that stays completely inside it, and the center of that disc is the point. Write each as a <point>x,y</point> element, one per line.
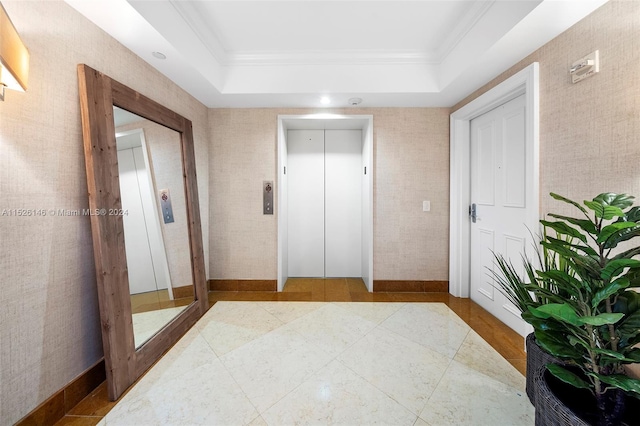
<point>300,384</point>
<point>235,380</point>
<point>380,389</point>
<point>241,390</point>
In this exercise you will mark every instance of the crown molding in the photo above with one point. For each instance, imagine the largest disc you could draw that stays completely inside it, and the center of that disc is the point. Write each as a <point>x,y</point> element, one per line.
<point>334,57</point>
<point>191,14</point>
<point>475,14</point>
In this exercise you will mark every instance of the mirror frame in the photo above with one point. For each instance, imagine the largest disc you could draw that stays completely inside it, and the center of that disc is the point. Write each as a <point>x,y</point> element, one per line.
<point>98,94</point>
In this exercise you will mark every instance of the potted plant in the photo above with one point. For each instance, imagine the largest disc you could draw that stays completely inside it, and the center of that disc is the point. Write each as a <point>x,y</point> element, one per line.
<point>582,305</point>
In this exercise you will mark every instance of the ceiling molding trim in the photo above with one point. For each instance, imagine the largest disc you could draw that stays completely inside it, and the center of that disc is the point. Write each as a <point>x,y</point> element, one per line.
<point>191,14</point>
<point>343,57</point>
<point>464,26</point>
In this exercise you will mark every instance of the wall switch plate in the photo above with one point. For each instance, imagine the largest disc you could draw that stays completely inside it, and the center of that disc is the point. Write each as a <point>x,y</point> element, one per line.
<point>426,206</point>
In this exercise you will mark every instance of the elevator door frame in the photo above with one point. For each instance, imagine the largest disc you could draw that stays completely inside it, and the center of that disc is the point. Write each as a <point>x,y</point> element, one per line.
<point>327,122</point>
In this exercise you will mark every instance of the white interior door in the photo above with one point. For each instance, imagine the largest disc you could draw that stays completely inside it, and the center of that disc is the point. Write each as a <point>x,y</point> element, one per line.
<point>343,203</point>
<point>324,177</point>
<point>498,190</point>
<point>139,261</point>
<point>305,171</point>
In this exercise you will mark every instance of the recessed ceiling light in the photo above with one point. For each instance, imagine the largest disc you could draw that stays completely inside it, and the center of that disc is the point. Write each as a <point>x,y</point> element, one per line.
<point>325,100</point>
<point>159,55</point>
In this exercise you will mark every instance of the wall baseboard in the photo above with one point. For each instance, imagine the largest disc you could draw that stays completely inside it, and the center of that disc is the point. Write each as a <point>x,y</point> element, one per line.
<point>243,285</point>
<point>61,402</point>
<point>387,286</point>
<point>182,292</point>
<point>402,286</point>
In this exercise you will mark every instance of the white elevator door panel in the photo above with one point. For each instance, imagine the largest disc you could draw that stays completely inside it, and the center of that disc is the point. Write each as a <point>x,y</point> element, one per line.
<point>343,203</point>
<point>152,222</point>
<point>305,171</point>
<point>139,262</point>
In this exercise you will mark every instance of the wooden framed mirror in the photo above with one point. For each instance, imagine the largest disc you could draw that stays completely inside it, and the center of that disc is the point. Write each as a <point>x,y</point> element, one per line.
<point>127,354</point>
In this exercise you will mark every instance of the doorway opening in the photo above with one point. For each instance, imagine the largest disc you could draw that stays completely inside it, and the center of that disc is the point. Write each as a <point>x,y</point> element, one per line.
<point>336,154</point>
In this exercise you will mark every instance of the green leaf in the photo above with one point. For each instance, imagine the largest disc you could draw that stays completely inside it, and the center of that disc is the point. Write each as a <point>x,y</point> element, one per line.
<point>622,201</point>
<point>568,201</point>
<point>622,235</point>
<point>603,211</point>
<point>561,312</point>
<point>633,354</point>
<point>584,224</point>
<point>627,254</point>
<point>562,243</point>
<point>510,284</point>
<point>633,275</point>
<point>617,356</point>
<point>629,342</point>
<point>567,376</point>
<point>609,290</point>
<point>587,262</point>
<point>562,228</point>
<point>615,267</point>
<point>601,319</point>
<point>562,280</point>
<point>630,326</point>
<point>633,215</point>
<point>556,344</point>
<point>621,381</point>
<point>628,302</point>
<point>544,325</point>
<point>613,229</point>
<point>574,341</point>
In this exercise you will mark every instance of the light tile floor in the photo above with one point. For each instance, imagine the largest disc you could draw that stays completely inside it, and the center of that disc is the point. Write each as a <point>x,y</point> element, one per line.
<point>146,324</point>
<point>284,363</point>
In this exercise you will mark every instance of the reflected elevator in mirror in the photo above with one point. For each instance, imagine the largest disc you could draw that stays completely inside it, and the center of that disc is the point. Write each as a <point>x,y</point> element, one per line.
<point>144,243</point>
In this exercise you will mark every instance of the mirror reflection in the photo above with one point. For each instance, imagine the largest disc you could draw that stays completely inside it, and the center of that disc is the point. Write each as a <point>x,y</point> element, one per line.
<point>155,222</point>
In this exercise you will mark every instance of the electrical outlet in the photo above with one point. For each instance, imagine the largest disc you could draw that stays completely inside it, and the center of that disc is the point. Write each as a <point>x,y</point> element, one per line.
<point>426,206</point>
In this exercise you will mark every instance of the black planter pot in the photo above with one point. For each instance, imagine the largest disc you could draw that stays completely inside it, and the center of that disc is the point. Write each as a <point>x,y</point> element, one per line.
<point>536,358</point>
<point>560,404</point>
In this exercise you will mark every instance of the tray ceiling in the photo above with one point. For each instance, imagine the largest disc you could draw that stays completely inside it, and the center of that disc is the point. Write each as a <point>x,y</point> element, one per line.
<point>291,53</point>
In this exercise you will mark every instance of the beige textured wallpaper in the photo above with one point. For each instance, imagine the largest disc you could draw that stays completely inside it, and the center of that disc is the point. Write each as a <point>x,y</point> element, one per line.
<point>589,130</point>
<point>49,323</point>
<point>411,164</point>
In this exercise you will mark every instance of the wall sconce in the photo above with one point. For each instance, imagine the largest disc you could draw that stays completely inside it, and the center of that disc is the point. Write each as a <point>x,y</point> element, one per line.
<point>14,57</point>
<point>585,67</point>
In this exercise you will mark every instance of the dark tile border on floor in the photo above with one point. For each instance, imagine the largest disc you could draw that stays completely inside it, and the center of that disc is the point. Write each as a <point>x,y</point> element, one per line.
<point>243,285</point>
<point>408,286</point>
<point>61,402</point>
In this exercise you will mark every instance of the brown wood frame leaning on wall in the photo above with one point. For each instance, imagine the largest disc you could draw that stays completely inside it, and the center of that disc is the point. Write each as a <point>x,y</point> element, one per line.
<point>98,94</point>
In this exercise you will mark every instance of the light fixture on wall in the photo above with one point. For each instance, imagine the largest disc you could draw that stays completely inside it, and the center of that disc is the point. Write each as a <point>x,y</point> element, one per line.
<point>585,67</point>
<point>14,57</point>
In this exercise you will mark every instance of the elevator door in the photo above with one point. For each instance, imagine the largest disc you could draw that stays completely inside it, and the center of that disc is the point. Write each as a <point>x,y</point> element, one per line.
<point>146,256</point>
<point>325,203</point>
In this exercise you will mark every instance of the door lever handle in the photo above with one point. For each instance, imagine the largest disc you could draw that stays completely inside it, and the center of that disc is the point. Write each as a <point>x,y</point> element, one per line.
<point>473,212</point>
